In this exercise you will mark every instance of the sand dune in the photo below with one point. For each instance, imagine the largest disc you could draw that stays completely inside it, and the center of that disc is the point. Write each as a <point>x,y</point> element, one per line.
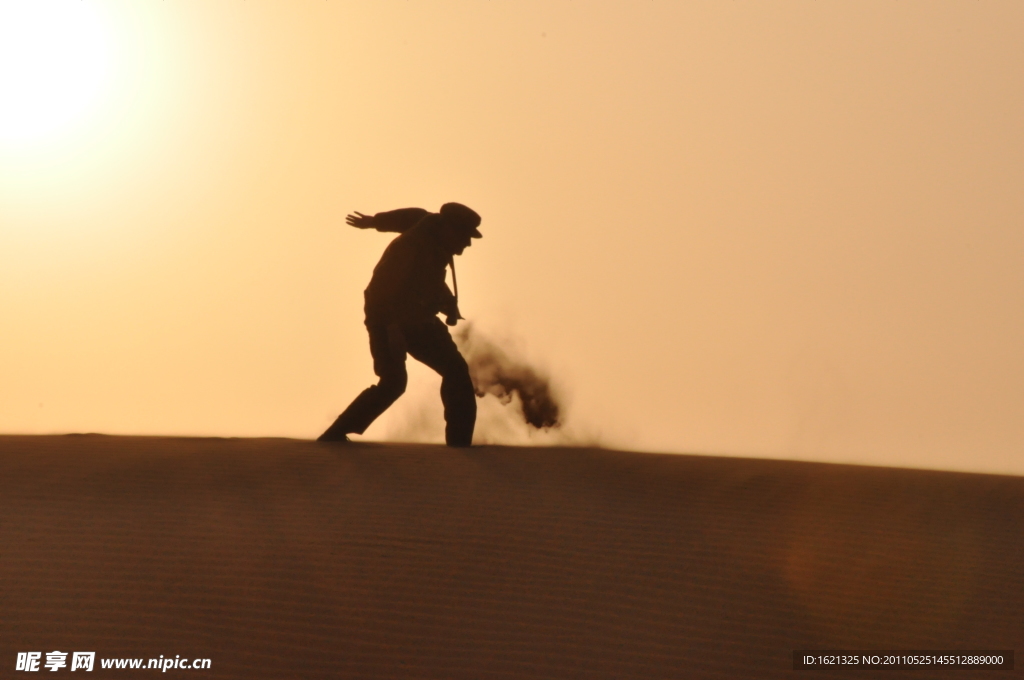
<point>291,559</point>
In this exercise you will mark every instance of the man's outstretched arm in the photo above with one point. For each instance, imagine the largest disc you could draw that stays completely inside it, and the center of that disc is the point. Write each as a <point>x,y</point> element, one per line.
<point>399,221</point>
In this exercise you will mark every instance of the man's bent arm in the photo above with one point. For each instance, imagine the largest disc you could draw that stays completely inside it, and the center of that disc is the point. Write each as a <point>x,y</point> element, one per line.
<point>398,221</point>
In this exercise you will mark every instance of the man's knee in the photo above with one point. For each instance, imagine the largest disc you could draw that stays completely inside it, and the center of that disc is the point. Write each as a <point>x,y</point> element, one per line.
<point>392,385</point>
<point>458,395</point>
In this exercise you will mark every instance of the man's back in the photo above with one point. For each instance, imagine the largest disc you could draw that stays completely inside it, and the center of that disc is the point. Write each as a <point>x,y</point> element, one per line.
<point>408,285</point>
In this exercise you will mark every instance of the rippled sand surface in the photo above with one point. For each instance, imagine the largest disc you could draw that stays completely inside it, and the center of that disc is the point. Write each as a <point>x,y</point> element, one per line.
<point>281,558</point>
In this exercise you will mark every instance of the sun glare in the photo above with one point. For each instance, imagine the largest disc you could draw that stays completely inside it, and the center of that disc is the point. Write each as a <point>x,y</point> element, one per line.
<point>54,66</point>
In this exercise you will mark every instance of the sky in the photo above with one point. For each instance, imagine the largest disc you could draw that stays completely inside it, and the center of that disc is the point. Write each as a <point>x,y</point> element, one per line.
<point>789,230</point>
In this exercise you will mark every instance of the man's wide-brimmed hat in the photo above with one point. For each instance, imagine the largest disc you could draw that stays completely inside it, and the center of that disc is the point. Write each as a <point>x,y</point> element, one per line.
<point>462,217</point>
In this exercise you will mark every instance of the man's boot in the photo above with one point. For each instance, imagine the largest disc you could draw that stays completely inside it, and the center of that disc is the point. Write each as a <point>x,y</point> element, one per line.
<point>363,410</point>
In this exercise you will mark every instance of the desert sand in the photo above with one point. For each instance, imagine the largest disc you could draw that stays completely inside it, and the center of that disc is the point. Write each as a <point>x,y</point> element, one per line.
<point>282,558</point>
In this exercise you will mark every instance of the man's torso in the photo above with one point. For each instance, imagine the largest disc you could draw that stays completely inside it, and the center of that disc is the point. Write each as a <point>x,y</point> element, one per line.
<point>409,281</point>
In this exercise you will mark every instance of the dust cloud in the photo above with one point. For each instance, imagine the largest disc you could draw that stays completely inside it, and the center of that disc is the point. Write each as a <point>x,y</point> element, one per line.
<point>509,379</point>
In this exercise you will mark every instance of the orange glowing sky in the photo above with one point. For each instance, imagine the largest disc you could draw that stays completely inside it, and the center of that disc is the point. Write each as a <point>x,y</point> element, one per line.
<point>787,229</point>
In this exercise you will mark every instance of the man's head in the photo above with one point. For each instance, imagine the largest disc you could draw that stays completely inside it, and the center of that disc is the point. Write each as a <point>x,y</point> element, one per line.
<point>460,226</point>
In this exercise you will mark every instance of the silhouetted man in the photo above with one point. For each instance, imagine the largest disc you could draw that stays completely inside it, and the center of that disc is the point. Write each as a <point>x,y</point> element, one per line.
<point>405,294</point>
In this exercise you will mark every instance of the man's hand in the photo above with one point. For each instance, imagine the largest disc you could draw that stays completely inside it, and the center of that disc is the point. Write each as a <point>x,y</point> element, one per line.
<point>452,315</point>
<point>360,221</point>
<point>450,309</point>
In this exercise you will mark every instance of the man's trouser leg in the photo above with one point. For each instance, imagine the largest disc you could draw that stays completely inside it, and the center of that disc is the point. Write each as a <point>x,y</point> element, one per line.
<point>431,344</point>
<point>389,364</point>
